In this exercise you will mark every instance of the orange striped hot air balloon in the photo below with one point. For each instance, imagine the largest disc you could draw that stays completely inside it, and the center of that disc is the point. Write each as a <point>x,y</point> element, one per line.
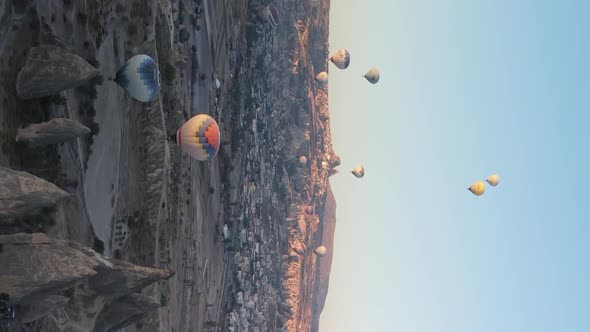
<point>199,137</point>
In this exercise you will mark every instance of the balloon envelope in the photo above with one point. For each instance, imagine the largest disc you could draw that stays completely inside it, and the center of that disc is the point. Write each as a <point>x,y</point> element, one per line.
<point>140,78</point>
<point>373,75</point>
<point>199,137</point>
<point>477,188</point>
<point>493,180</point>
<point>322,78</point>
<point>321,250</point>
<point>341,58</point>
<point>359,171</point>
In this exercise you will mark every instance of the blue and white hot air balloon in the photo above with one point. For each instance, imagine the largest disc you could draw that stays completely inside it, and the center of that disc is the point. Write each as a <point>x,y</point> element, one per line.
<point>140,77</point>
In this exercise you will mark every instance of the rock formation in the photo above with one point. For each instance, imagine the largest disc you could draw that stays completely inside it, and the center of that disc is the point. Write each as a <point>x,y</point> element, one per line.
<point>51,69</point>
<point>42,308</point>
<point>124,311</point>
<point>52,132</point>
<point>22,192</point>
<point>40,274</point>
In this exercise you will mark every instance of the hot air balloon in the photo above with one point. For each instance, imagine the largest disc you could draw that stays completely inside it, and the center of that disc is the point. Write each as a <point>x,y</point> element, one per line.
<point>341,58</point>
<point>477,188</point>
<point>321,251</point>
<point>322,78</point>
<point>372,75</point>
<point>358,171</point>
<point>493,180</point>
<point>140,77</point>
<point>270,14</point>
<point>303,160</point>
<point>199,137</point>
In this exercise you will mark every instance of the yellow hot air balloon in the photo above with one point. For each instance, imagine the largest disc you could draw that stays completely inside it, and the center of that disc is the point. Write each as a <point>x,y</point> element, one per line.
<point>358,171</point>
<point>321,251</point>
<point>477,188</point>
<point>322,78</point>
<point>199,137</point>
<point>341,58</point>
<point>493,180</point>
<point>373,75</point>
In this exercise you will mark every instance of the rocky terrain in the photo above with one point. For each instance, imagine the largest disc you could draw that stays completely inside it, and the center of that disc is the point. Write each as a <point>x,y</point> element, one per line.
<point>123,172</point>
<point>278,207</point>
<point>263,275</point>
<point>83,289</point>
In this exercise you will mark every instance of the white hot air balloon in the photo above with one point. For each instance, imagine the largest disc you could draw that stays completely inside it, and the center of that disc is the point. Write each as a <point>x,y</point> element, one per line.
<point>493,180</point>
<point>341,59</point>
<point>321,251</point>
<point>358,171</point>
<point>322,78</point>
<point>372,75</point>
<point>199,137</point>
<point>303,160</point>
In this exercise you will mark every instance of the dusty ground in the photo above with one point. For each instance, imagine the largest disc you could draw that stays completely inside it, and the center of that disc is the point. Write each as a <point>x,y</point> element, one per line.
<point>269,111</point>
<point>171,202</point>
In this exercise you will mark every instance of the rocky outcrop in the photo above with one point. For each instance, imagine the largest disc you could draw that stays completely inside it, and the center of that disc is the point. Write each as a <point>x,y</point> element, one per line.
<point>42,308</point>
<point>37,273</point>
<point>52,132</point>
<point>51,69</point>
<point>22,192</point>
<point>154,172</point>
<point>38,268</point>
<point>124,311</point>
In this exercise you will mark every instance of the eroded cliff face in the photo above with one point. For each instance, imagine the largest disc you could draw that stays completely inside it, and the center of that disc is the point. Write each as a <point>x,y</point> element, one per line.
<point>279,206</point>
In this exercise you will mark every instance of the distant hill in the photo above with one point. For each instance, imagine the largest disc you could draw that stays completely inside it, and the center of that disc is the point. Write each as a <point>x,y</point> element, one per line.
<point>325,264</point>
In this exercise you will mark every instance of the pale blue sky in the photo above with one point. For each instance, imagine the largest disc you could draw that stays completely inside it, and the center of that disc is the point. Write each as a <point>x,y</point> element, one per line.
<point>467,88</point>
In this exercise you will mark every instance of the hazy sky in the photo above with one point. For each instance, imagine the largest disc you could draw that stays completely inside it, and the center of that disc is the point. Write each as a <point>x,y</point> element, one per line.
<point>467,88</point>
